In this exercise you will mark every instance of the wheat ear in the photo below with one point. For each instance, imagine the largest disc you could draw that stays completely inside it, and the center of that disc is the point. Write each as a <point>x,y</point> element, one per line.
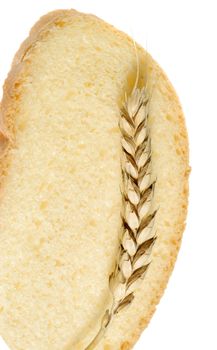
<point>137,233</point>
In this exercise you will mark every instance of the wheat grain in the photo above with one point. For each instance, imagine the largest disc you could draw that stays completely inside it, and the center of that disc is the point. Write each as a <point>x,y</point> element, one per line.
<point>137,233</point>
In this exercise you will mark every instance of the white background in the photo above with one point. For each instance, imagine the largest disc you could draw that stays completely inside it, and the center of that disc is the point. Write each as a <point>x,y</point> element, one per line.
<point>182,37</point>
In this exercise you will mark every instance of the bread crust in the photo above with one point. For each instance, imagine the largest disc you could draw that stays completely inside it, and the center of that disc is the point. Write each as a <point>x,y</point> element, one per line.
<point>7,109</point>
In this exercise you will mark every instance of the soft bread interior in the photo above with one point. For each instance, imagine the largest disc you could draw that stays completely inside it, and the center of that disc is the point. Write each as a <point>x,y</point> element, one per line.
<point>60,199</point>
<point>60,205</point>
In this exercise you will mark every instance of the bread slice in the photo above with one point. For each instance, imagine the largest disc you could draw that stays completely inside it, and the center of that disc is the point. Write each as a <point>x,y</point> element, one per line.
<point>60,184</point>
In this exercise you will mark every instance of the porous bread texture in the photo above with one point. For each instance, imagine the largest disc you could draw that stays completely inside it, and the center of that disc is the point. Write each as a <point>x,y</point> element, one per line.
<point>60,185</point>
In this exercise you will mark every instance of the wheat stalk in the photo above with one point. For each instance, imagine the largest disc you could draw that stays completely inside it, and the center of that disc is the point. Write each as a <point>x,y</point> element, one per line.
<point>137,233</point>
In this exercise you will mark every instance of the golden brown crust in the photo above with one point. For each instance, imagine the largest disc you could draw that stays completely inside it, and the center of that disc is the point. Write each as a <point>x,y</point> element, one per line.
<point>7,108</point>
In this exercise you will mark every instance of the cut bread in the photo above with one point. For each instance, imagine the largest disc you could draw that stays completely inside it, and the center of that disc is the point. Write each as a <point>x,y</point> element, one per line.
<point>60,196</point>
